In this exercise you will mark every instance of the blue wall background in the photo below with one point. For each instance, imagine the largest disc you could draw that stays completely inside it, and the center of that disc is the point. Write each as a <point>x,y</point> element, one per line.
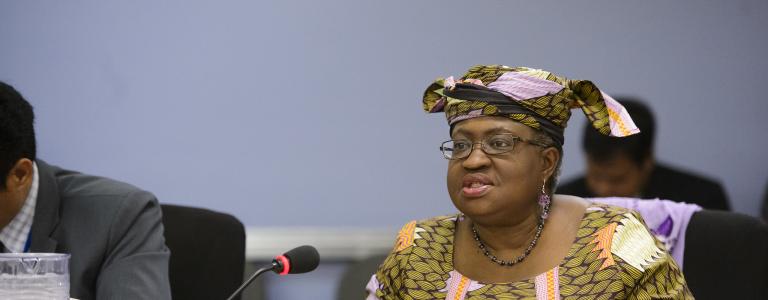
<point>258,107</point>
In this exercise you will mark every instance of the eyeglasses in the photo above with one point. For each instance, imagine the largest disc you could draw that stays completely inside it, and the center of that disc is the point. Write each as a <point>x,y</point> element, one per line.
<point>491,145</point>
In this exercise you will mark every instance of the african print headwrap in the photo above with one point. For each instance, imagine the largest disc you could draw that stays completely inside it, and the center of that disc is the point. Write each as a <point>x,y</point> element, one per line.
<point>533,97</point>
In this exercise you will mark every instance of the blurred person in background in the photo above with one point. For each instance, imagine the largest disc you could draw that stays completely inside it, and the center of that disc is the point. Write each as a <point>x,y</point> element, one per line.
<point>513,238</point>
<point>627,167</point>
<point>113,231</point>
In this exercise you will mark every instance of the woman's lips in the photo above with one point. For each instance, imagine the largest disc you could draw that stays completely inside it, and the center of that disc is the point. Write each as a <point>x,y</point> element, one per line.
<point>476,185</point>
<point>475,190</point>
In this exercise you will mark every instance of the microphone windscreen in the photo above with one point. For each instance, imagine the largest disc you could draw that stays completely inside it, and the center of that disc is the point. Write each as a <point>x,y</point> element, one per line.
<point>303,259</point>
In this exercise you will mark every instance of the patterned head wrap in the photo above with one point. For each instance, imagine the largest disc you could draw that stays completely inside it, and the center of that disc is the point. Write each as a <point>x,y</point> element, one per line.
<point>536,98</point>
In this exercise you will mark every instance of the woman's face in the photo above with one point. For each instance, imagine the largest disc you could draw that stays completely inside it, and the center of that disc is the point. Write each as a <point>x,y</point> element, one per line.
<point>494,187</point>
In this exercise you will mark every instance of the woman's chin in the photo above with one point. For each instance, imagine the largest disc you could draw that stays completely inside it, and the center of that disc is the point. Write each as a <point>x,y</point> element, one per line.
<point>475,206</point>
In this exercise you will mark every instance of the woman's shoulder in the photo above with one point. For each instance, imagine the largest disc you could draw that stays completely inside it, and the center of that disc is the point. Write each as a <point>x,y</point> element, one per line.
<point>446,222</point>
<point>616,251</point>
<point>422,250</point>
<point>622,233</point>
<point>423,240</point>
<point>609,213</point>
<point>438,229</point>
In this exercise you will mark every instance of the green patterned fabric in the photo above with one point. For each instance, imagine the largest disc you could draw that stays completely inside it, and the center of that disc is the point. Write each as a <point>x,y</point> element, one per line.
<point>614,256</point>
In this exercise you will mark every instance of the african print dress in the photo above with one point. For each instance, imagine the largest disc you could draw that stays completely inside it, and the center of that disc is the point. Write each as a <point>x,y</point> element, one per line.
<point>614,256</point>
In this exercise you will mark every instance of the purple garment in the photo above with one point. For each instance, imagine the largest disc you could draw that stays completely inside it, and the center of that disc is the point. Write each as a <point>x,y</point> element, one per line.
<point>666,219</point>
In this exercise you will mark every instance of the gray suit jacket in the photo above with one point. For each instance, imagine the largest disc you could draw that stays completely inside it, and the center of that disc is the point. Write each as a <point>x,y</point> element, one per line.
<point>112,230</point>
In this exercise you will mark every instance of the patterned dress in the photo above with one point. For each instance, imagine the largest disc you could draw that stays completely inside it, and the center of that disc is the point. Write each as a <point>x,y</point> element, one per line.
<point>613,257</point>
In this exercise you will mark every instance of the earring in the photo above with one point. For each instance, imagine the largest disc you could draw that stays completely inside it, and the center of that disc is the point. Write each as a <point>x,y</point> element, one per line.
<point>544,201</point>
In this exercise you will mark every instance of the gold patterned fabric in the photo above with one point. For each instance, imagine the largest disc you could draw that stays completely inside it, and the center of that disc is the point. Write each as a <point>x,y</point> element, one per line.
<point>536,98</point>
<point>614,256</point>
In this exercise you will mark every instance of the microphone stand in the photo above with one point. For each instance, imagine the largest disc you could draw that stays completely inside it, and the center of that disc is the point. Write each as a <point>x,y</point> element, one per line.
<point>247,282</point>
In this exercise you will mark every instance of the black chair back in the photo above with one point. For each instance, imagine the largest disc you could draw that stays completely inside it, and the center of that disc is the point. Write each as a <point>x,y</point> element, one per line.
<point>726,256</point>
<point>207,252</point>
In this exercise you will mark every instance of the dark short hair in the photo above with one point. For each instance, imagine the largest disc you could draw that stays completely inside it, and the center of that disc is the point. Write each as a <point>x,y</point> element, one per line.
<point>17,132</point>
<point>637,147</point>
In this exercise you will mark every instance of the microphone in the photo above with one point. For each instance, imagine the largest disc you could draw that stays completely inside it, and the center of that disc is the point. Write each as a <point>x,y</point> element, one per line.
<point>298,260</point>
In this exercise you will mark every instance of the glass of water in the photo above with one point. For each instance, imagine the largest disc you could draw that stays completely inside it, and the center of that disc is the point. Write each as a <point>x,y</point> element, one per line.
<point>34,276</point>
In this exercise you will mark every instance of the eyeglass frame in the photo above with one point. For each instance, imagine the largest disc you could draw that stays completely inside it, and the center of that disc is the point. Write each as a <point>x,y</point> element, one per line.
<point>515,139</point>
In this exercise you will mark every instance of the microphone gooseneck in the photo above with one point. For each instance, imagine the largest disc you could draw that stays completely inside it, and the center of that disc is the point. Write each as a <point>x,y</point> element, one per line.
<point>248,282</point>
<point>298,260</point>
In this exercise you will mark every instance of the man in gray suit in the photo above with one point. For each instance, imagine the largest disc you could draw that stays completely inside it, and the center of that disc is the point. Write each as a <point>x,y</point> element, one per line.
<point>112,230</point>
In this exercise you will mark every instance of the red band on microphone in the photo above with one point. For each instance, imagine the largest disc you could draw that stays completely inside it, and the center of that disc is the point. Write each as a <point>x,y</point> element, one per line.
<point>286,264</point>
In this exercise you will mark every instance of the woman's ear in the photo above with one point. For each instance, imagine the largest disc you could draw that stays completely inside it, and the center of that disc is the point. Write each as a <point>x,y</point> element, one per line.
<point>550,157</point>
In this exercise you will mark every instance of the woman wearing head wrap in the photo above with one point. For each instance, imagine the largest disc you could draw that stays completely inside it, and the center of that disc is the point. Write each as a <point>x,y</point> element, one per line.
<point>514,239</point>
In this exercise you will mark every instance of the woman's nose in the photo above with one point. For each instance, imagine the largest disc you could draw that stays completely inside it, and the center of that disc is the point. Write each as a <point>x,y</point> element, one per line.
<point>477,158</point>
